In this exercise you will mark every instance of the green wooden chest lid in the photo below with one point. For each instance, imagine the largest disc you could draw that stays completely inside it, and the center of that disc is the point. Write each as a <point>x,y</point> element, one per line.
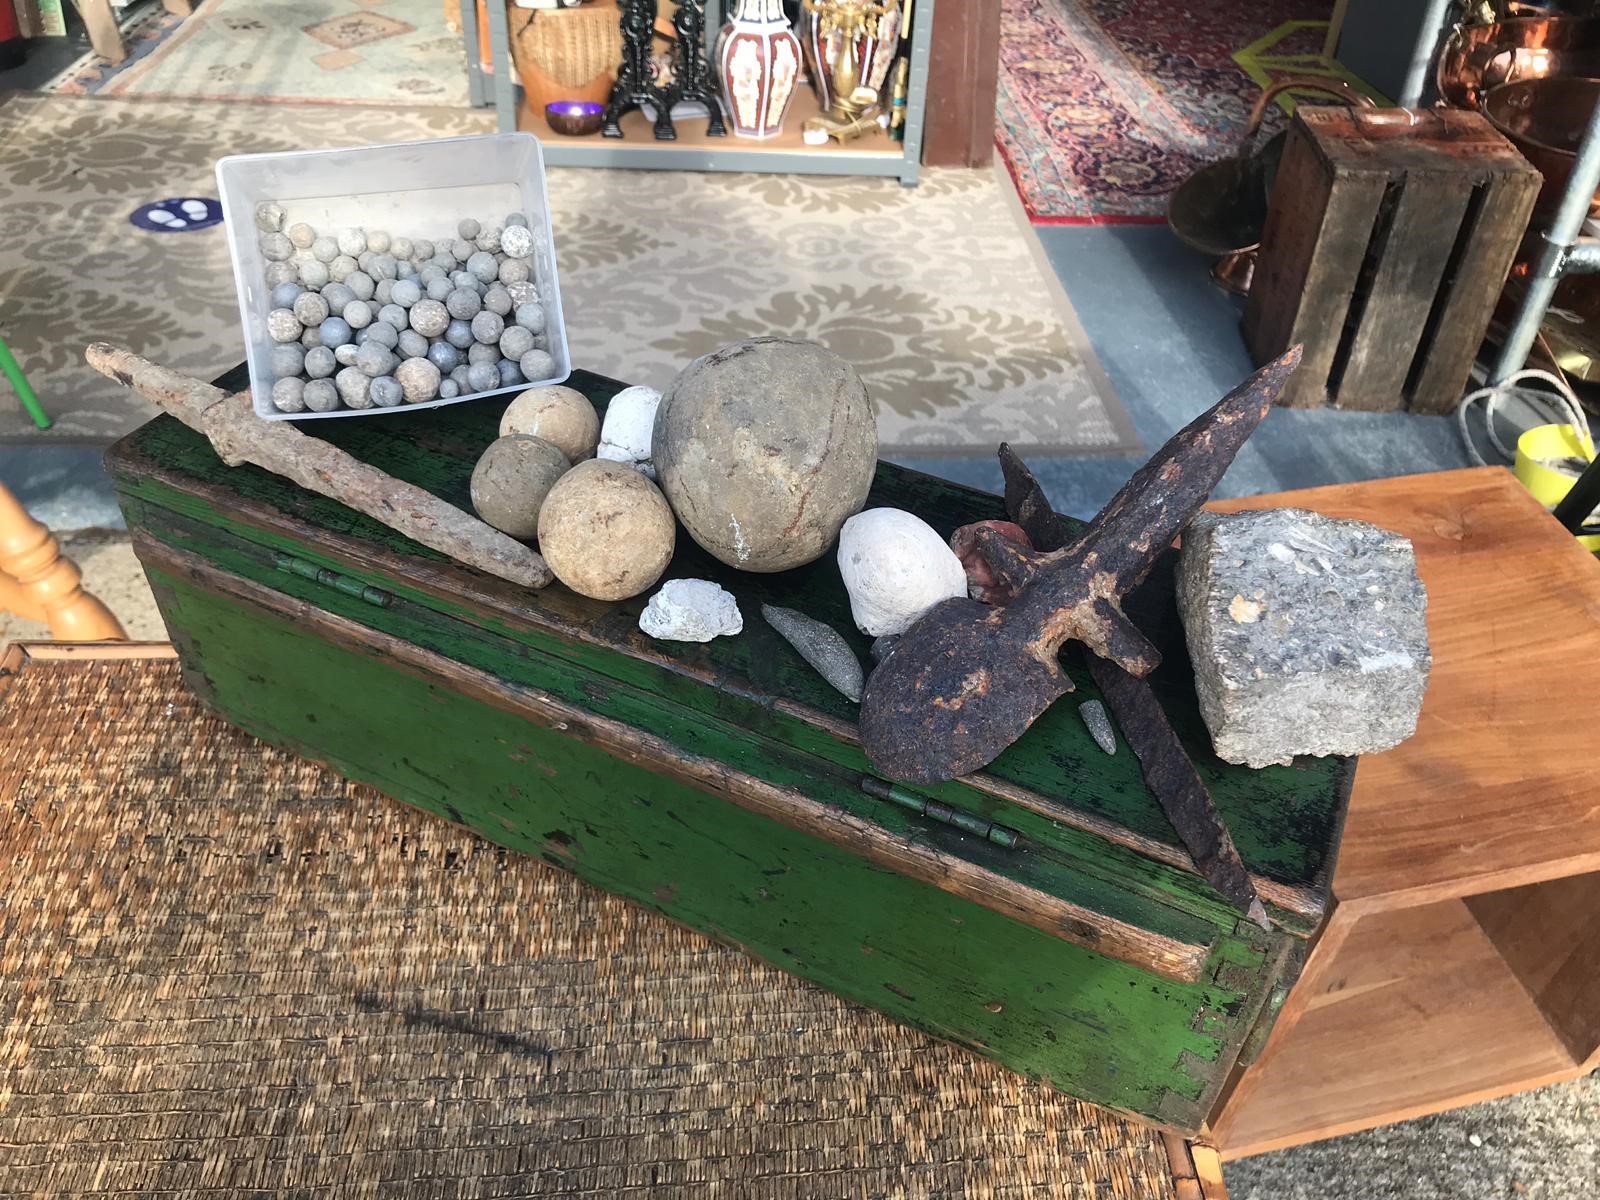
<point>1055,832</point>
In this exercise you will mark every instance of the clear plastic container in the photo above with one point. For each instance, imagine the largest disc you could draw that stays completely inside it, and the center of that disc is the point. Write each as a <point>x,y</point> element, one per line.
<point>414,189</point>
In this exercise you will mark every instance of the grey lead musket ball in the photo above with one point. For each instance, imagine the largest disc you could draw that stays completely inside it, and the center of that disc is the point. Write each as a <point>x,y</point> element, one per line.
<point>393,314</point>
<point>311,338</point>
<point>486,327</point>
<point>342,268</point>
<point>364,259</point>
<point>373,360</point>
<point>430,318</point>
<point>321,363</point>
<point>288,358</point>
<point>497,299</point>
<point>352,241</point>
<point>530,316</point>
<point>302,235</point>
<point>482,378</point>
<point>463,304</point>
<point>422,249</point>
<point>275,247</point>
<point>378,241</point>
<point>483,353</point>
<point>335,331</point>
<point>467,281</point>
<point>282,272</point>
<point>510,373</point>
<point>449,389</point>
<point>382,290</point>
<point>357,314</point>
<point>515,342</point>
<point>405,293</point>
<point>439,287</point>
<point>429,273</point>
<point>321,395</point>
<point>288,395</point>
<point>459,374</point>
<point>325,249</point>
<point>516,241</point>
<point>467,228</point>
<point>514,270</point>
<point>386,391</point>
<point>345,355</point>
<point>404,270</point>
<point>354,387</point>
<point>516,218</point>
<point>403,248</point>
<point>314,273</point>
<point>488,239</point>
<point>419,378</point>
<point>361,285</point>
<point>461,250</point>
<point>522,293</point>
<point>284,326</point>
<point>536,365</point>
<point>383,333</point>
<point>444,356</point>
<point>338,295</point>
<point>459,334</point>
<point>310,308</point>
<point>412,344</point>
<point>383,267</point>
<point>285,294</point>
<point>482,264</point>
<point>269,216</point>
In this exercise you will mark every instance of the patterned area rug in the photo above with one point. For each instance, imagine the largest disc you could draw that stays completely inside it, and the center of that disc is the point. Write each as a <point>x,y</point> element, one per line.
<point>1105,106</point>
<point>935,293</point>
<point>304,51</point>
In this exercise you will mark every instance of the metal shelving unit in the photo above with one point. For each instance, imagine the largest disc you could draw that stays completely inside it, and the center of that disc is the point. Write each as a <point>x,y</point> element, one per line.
<point>693,151</point>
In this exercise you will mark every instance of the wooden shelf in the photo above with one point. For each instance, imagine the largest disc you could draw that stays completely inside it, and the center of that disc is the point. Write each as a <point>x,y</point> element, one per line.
<point>1421,1012</point>
<point>871,154</point>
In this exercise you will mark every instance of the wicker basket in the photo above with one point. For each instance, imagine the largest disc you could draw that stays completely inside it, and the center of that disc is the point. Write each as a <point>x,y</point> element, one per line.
<point>567,53</point>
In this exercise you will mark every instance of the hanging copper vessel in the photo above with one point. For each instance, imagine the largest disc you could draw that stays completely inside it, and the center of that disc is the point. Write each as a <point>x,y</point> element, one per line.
<point>1477,58</point>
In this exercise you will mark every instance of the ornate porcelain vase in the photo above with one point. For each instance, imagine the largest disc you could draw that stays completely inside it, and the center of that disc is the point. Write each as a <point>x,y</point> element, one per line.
<point>874,52</point>
<point>758,61</point>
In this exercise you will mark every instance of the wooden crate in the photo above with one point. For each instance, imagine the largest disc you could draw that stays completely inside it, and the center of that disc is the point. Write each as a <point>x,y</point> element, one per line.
<point>1387,242</point>
<point>1041,912</point>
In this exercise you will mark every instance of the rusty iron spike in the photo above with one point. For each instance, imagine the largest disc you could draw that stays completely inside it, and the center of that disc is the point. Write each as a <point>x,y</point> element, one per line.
<point>967,679</point>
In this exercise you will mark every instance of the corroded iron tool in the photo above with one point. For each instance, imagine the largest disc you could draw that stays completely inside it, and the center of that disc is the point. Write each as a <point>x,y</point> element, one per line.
<point>1168,771</point>
<point>968,679</point>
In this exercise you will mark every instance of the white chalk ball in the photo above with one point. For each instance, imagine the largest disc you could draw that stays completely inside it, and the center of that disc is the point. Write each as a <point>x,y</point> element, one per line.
<point>629,425</point>
<point>352,241</point>
<point>419,378</point>
<point>512,479</point>
<point>895,567</point>
<point>325,249</point>
<point>516,241</point>
<point>560,415</point>
<point>378,241</point>
<point>606,531</point>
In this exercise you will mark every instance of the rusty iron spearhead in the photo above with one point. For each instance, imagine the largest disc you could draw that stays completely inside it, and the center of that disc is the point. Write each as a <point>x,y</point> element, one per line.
<point>967,679</point>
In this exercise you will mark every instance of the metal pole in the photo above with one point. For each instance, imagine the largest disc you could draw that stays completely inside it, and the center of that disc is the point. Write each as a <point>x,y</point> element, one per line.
<point>1556,258</point>
<point>1422,53</point>
<point>1577,504</point>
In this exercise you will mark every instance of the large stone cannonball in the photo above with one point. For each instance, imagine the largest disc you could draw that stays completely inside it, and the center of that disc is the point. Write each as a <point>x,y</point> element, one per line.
<point>764,449</point>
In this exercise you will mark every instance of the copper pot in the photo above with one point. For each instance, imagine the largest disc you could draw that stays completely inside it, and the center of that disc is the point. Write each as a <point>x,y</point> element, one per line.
<point>1477,58</point>
<point>1546,119</point>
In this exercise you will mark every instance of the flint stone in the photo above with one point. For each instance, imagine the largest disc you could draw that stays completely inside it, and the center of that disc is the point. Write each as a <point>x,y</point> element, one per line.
<point>1307,633</point>
<point>691,610</point>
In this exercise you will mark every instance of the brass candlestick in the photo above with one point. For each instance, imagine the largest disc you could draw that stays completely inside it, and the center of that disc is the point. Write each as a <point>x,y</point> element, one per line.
<point>850,19</point>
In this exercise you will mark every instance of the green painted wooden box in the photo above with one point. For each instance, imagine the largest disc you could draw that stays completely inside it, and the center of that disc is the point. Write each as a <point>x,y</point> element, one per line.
<point>1041,913</point>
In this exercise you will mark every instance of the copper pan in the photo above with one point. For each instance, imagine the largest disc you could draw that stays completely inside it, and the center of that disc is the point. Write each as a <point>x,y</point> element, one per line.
<point>1545,119</point>
<point>1477,58</point>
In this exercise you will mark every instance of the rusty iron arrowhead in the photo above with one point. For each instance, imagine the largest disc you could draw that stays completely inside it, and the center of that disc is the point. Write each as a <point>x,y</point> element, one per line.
<point>968,679</point>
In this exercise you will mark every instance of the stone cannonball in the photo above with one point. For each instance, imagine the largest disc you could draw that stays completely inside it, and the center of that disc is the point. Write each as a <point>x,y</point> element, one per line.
<point>560,415</point>
<point>764,448</point>
<point>606,531</point>
<point>511,480</point>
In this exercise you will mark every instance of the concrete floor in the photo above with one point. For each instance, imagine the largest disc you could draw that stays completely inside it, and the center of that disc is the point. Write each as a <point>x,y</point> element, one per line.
<point>1170,343</point>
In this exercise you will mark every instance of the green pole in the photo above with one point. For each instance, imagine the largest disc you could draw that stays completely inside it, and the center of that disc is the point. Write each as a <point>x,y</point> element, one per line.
<point>25,392</point>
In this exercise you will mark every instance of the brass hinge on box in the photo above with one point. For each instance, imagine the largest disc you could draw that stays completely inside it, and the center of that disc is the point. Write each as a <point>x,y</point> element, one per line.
<point>1000,835</point>
<point>343,583</point>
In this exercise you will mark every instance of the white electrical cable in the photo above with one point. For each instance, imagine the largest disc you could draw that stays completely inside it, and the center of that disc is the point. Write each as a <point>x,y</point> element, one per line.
<point>1561,405</point>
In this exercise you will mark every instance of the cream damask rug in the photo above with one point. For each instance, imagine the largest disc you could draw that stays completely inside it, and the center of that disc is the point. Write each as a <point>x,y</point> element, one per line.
<point>934,293</point>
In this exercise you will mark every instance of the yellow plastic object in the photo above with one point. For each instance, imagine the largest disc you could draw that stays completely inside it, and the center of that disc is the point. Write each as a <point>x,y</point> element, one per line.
<point>1548,485</point>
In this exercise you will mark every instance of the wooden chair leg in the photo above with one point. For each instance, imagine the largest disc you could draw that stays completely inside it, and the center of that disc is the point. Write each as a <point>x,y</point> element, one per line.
<point>105,35</point>
<point>45,586</point>
<point>178,8</point>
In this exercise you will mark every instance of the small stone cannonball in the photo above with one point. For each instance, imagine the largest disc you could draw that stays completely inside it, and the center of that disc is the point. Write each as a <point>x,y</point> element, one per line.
<point>764,448</point>
<point>531,317</point>
<point>511,480</point>
<point>560,415</point>
<point>606,531</point>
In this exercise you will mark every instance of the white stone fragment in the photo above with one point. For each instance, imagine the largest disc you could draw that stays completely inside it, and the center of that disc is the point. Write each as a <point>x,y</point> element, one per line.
<point>895,567</point>
<point>691,610</point>
<point>630,422</point>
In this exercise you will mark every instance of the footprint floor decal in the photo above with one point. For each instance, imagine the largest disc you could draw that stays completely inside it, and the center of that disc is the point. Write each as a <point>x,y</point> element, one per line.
<point>180,214</point>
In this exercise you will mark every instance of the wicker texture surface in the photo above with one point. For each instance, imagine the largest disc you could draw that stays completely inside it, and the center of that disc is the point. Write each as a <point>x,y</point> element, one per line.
<point>227,971</point>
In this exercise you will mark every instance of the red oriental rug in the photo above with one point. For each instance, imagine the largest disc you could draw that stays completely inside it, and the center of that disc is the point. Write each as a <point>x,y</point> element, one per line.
<point>1105,106</point>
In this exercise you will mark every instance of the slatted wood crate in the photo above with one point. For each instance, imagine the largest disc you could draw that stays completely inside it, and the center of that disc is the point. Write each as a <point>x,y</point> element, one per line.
<point>1388,239</point>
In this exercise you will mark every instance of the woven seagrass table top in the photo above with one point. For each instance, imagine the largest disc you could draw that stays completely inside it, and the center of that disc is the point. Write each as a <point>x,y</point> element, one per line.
<point>227,971</point>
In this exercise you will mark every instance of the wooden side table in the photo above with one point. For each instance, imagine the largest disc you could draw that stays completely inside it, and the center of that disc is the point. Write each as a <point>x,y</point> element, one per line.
<point>1463,959</point>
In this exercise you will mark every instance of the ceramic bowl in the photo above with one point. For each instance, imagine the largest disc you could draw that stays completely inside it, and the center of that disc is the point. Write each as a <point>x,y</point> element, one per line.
<point>574,118</point>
